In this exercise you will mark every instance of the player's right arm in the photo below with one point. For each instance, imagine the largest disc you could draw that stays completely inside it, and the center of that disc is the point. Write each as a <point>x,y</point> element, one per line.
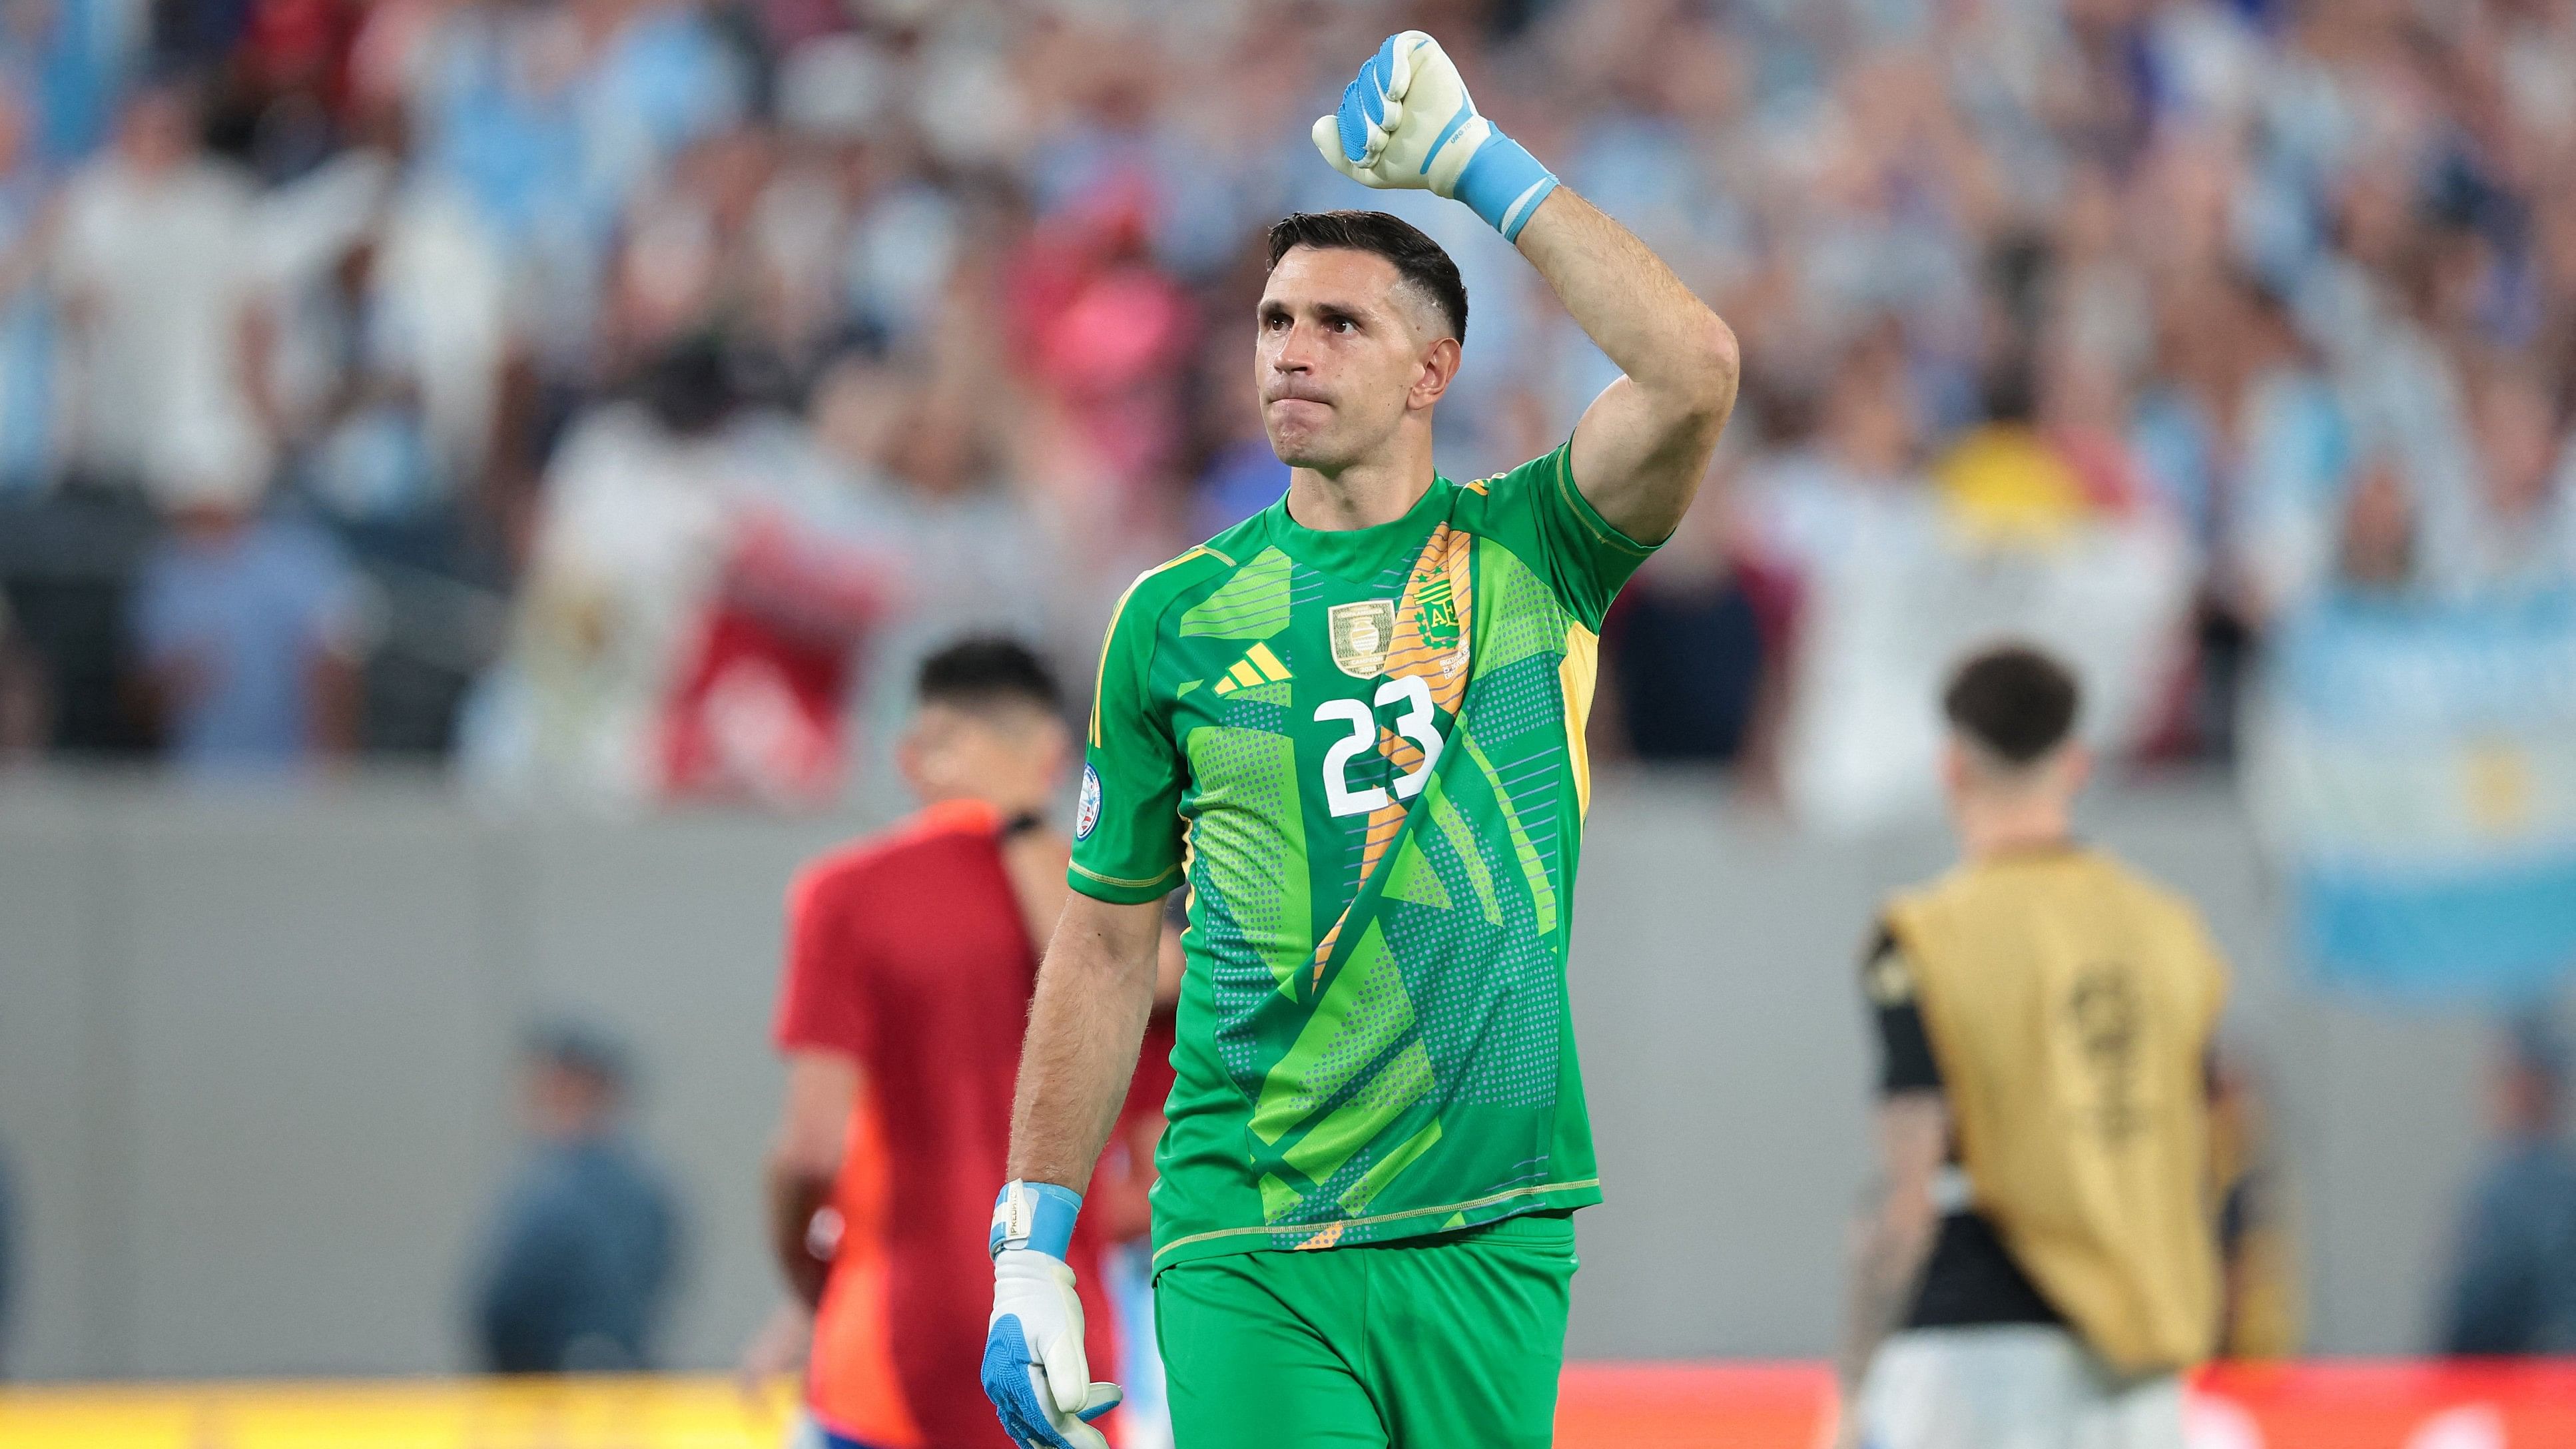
<point>1892,1239</point>
<point>1086,1024</point>
<point>1085,1027</point>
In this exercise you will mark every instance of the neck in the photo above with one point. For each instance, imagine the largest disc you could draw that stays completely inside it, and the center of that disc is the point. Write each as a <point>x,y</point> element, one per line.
<point>1367,493</point>
<point>1008,804</point>
<point>1992,829</point>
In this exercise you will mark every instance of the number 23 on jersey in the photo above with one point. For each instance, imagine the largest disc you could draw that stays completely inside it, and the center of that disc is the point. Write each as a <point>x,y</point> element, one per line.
<point>1417,723</point>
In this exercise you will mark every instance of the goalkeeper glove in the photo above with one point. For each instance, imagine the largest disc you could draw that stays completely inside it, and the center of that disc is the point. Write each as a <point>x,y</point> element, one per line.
<point>1407,122</point>
<point>1034,1369</point>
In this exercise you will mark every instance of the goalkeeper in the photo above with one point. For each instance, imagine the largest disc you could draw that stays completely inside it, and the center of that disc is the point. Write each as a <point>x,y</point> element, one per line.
<point>1365,708</point>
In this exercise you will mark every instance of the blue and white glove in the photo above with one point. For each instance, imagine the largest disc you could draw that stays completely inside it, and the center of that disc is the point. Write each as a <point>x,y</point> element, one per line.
<point>1034,1368</point>
<point>1407,123</point>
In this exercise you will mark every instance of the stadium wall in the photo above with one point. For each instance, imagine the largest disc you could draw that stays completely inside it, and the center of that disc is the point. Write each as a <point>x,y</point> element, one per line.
<point>255,1056</point>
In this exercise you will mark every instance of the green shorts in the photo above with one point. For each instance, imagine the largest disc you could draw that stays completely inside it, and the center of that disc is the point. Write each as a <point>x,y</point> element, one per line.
<point>1420,1344</point>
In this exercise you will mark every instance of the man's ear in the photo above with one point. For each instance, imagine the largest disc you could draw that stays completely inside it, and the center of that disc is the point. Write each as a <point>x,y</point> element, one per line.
<point>1954,766</point>
<point>1439,367</point>
<point>2075,768</point>
<point>911,757</point>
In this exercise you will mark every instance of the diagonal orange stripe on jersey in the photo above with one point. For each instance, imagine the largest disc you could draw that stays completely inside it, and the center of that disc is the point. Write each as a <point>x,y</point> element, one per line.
<point>1431,644</point>
<point>1430,622</point>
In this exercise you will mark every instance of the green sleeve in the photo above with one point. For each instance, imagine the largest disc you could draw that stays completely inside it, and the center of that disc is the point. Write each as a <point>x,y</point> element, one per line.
<point>1127,825</point>
<point>1537,508</point>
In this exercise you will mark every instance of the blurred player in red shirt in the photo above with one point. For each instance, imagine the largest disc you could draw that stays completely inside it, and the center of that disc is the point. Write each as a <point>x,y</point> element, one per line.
<point>910,960</point>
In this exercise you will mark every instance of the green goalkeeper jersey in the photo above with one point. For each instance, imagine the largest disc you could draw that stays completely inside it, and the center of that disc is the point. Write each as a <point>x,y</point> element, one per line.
<point>1362,751</point>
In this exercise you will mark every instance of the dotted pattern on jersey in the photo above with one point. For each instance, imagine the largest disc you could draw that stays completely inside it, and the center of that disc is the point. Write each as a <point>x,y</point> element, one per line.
<point>1485,995</point>
<point>1263,709</point>
<point>1521,699</point>
<point>1237,983</point>
<point>1393,1081</point>
<point>1520,724</point>
<point>1377,1020</point>
<point>1517,611</point>
<point>1245,859</point>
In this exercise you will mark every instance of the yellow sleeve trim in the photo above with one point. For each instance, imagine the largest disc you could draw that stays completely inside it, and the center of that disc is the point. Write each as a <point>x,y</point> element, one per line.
<point>1121,882</point>
<point>1590,517</point>
<point>1100,678</point>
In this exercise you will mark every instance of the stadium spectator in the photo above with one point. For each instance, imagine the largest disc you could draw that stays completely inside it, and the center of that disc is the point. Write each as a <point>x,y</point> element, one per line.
<point>248,625</point>
<point>463,227</point>
<point>1692,636</point>
<point>628,546</point>
<point>2512,1286</point>
<point>583,1244</point>
<point>27,315</point>
<point>24,708</point>
<point>150,266</point>
<point>71,57</point>
<point>2509,527</point>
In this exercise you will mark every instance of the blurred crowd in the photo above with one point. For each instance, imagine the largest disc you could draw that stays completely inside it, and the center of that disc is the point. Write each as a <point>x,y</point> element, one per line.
<point>616,394</point>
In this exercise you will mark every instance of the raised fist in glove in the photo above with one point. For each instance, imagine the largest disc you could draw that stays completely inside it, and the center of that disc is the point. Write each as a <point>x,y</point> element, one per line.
<point>1407,122</point>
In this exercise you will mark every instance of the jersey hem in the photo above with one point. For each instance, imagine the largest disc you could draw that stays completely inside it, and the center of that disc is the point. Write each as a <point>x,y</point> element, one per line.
<point>1396,1226</point>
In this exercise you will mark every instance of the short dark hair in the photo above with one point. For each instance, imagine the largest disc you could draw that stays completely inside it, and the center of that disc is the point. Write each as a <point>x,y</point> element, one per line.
<point>984,670</point>
<point>2013,701</point>
<point>584,1049</point>
<point>1418,259</point>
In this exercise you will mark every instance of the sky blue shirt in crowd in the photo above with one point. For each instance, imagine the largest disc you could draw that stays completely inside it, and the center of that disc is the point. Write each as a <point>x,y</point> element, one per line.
<point>250,614</point>
<point>26,349</point>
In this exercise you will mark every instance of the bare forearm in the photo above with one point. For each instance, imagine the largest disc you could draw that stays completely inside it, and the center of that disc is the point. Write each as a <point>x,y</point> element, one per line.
<point>1085,1027</point>
<point>1893,1239</point>
<point>1668,342</point>
<point>795,1196</point>
<point>1644,445</point>
<point>1888,1255</point>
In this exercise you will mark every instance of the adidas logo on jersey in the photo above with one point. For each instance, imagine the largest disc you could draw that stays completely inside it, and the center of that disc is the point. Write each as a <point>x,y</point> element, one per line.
<point>1257,667</point>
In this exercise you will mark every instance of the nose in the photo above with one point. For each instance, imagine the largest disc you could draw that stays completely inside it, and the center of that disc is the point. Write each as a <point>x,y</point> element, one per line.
<point>1290,353</point>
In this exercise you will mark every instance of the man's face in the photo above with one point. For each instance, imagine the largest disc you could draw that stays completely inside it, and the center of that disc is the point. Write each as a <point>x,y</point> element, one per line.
<point>566,1103</point>
<point>1010,754</point>
<point>1346,353</point>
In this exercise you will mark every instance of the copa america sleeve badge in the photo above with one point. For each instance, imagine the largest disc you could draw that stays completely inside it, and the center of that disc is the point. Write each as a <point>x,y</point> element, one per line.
<point>1086,810</point>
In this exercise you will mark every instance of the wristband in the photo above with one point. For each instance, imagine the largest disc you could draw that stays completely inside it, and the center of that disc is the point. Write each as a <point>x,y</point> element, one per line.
<point>1504,183</point>
<point>1034,1215</point>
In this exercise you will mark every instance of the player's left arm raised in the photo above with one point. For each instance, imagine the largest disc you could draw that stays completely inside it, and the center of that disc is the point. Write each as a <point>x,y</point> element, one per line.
<point>1644,444</point>
<point>1407,121</point>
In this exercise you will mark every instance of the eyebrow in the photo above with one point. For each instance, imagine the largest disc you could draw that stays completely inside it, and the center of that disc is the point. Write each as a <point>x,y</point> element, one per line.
<point>1326,311</point>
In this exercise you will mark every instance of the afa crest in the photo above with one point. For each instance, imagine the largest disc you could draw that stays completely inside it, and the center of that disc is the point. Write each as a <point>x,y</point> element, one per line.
<point>1439,605</point>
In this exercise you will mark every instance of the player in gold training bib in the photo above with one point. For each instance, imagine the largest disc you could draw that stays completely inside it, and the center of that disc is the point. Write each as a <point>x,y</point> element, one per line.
<point>1353,726</point>
<point>2044,1246</point>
